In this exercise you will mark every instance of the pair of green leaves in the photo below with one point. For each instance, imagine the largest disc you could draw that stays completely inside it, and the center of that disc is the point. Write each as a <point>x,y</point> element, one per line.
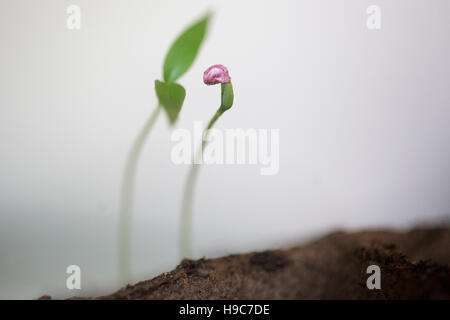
<point>178,60</point>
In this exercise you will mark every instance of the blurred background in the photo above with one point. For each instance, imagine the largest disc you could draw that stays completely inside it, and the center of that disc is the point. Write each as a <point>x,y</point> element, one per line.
<point>363,118</point>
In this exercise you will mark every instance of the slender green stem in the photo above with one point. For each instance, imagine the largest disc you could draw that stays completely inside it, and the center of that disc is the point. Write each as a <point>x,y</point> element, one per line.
<point>186,250</point>
<point>127,197</point>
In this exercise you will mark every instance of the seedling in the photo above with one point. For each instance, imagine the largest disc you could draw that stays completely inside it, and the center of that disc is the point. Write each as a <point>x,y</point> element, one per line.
<point>171,96</point>
<point>216,74</point>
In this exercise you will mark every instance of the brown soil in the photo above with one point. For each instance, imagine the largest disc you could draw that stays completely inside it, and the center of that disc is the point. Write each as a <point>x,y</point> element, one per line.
<point>414,265</point>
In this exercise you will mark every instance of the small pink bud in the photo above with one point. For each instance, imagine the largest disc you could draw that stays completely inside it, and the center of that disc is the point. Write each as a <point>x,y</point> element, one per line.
<point>216,74</point>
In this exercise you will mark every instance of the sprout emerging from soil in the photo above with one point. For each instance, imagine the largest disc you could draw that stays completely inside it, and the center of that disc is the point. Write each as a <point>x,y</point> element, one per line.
<point>216,74</point>
<point>171,96</point>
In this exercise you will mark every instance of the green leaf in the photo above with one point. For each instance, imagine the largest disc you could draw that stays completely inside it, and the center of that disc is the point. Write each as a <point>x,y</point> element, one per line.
<point>227,96</point>
<point>171,97</point>
<point>184,50</point>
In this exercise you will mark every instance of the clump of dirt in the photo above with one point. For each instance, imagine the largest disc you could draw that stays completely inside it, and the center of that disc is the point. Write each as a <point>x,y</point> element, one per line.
<point>414,265</point>
<point>269,261</point>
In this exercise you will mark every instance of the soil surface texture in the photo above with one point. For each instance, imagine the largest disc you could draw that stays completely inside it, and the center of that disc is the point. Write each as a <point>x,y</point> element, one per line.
<point>413,265</point>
